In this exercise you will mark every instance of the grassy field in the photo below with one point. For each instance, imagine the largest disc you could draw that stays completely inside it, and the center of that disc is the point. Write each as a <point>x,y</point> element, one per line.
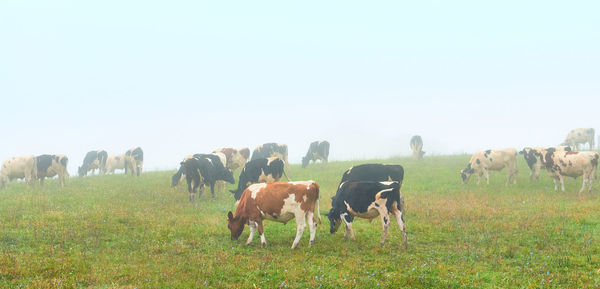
<point>124,232</point>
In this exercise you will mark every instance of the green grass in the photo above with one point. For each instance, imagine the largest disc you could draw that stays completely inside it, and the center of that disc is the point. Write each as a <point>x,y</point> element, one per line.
<point>124,232</point>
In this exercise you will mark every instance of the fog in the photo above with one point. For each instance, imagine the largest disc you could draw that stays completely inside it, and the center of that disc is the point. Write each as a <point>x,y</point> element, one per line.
<point>186,77</point>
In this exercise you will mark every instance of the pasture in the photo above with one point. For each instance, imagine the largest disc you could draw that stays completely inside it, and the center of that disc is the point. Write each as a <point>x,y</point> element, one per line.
<point>123,232</point>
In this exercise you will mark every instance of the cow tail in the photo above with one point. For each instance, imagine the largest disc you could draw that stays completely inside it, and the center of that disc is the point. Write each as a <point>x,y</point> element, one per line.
<point>288,178</point>
<point>318,212</point>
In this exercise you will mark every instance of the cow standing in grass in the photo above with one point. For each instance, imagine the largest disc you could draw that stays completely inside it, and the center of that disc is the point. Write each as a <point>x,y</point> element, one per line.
<point>259,171</point>
<point>533,159</point>
<point>134,161</point>
<point>93,160</point>
<point>318,150</point>
<point>416,145</point>
<point>280,202</point>
<point>491,160</point>
<point>580,136</point>
<point>204,170</point>
<point>49,166</point>
<point>367,200</point>
<point>18,168</point>
<point>560,164</point>
<point>270,150</point>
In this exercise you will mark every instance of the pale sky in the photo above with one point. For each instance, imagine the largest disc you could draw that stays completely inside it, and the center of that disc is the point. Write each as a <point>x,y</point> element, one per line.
<point>181,77</point>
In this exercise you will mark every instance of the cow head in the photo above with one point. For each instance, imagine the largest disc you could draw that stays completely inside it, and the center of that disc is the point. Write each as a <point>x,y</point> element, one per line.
<point>227,176</point>
<point>421,153</point>
<point>466,173</point>
<point>305,161</point>
<point>81,171</point>
<point>334,221</point>
<point>235,225</point>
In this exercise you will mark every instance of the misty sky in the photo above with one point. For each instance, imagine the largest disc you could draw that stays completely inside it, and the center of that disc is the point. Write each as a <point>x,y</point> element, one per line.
<point>180,77</point>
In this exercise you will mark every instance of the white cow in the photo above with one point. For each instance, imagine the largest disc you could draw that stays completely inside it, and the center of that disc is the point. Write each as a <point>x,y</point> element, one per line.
<point>18,168</point>
<point>580,136</point>
<point>560,164</point>
<point>115,162</point>
<point>491,160</point>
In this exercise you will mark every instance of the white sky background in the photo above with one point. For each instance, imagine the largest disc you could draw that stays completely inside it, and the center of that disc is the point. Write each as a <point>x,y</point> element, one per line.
<point>183,77</point>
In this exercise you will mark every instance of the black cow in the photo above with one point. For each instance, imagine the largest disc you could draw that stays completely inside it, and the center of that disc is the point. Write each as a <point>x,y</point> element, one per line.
<point>203,170</point>
<point>216,161</point>
<point>134,159</point>
<point>367,200</point>
<point>93,160</point>
<point>259,171</point>
<point>318,150</point>
<point>416,145</point>
<point>374,173</point>
<point>51,165</point>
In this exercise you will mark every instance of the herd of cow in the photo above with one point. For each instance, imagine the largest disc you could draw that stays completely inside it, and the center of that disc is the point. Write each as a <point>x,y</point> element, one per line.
<point>365,191</point>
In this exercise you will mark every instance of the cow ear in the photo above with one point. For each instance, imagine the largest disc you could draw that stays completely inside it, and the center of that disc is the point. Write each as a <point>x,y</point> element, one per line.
<point>230,216</point>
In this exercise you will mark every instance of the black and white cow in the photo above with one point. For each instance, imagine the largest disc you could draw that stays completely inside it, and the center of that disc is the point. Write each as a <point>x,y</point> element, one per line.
<point>93,160</point>
<point>269,150</point>
<point>203,169</point>
<point>134,161</point>
<point>49,166</point>
<point>374,173</point>
<point>216,158</point>
<point>580,136</point>
<point>533,158</point>
<point>367,200</point>
<point>416,144</point>
<point>265,170</point>
<point>318,150</point>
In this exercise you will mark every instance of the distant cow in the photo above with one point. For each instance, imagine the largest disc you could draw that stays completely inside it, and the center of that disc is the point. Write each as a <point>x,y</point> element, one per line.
<point>580,136</point>
<point>367,200</point>
<point>49,166</point>
<point>115,162</point>
<point>93,160</point>
<point>560,164</point>
<point>533,158</point>
<point>235,158</point>
<point>134,161</point>
<point>318,150</point>
<point>259,171</point>
<point>18,168</point>
<point>374,173</point>
<point>416,144</point>
<point>491,160</point>
<point>218,160</point>
<point>204,170</point>
<point>272,150</point>
<point>280,202</point>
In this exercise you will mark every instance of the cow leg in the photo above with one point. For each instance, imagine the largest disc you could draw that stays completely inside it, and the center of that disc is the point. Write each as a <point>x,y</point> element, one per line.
<point>562,183</point>
<point>300,226</point>
<point>385,222</point>
<point>42,181</point>
<point>312,226</point>
<point>212,189</point>
<point>590,181</point>
<point>401,225</point>
<point>252,229</point>
<point>478,179</point>
<point>263,241</point>
<point>348,222</point>
<point>585,180</point>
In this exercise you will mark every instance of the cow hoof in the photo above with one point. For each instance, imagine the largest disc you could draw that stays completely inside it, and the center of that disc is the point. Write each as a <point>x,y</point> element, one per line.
<point>381,244</point>
<point>248,243</point>
<point>262,245</point>
<point>312,243</point>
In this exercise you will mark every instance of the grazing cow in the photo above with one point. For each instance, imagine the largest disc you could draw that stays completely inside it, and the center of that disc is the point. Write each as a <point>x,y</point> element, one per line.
<point>280,202</point>
<point>18,168</point>
<point>235,158</point>
<point>134,161</point>
<point>374,173</point>
<point>580,136</point>
<point>204,169</point>
<point>115,162</point>
<point>218,160</point>
<point>533,158</point>
<point>49,166</point>
<point>560,164</point>
<point>416,144</point>
<point>272,150</point>
<point>318,150</point>
<point>259,171</point>
<point>491,160</point>
<point>93,160</point>
<point>367,200</point>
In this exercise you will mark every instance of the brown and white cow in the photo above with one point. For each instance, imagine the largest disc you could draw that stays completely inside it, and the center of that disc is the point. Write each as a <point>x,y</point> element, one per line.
<point>18,168</point>
<point>532,156</point>
<point>49,166</point>
<point>280,202</point>
<point>560,164</point>
<point>235,158</point>
<point>580,136</point>
<point>491,160</point>
<point>115,162</point>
